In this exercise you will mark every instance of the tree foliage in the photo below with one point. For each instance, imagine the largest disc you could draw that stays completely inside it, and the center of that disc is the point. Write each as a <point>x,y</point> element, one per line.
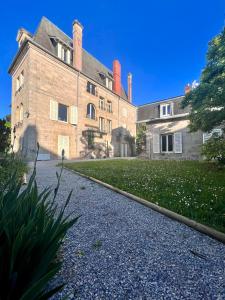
<point>4,135</point>
<point>214,149</point>
<point>207,101</point>
<point>141,139</point>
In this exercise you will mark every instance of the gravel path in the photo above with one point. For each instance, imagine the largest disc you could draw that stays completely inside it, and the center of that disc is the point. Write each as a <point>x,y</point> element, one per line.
<point>120,249</point>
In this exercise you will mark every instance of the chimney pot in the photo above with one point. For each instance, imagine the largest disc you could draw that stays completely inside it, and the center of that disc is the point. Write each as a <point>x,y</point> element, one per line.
<point>129,84</point>
<point>187,88</point>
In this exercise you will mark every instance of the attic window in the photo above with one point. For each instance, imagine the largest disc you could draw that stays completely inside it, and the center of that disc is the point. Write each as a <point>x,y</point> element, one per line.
<point>108,83</point>
<point>64,53</point>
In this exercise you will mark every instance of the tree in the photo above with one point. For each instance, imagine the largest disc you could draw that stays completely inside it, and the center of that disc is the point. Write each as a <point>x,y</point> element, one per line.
<point>4,135</point>
<point>207,101</point>
<point>141,139</point>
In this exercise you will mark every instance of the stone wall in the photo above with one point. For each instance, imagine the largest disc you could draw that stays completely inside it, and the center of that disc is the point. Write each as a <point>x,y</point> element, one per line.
<point>191,142</point>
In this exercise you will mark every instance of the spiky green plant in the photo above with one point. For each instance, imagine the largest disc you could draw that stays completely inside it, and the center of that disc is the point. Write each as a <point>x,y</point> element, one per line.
<point>32,229</point>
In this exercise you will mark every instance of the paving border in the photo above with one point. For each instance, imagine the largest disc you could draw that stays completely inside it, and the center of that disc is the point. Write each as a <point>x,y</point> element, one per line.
<point>193,224</point>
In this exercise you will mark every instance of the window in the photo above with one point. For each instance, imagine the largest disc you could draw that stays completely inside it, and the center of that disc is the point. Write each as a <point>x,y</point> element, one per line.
<point>101,124</point>
<point>20,81</point>
<point>166,110</point>
<point>109,106</point>
<point>102,103</point>
<point>108,83</point>
<point>109,126</point>
<point>64,53</point>
<point>91,88</point>
<point>62,112</point>
<point>91,111</point>
<point>167,143</point>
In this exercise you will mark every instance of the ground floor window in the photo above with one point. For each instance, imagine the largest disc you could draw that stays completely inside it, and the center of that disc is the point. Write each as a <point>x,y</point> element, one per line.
<point>167,143</point>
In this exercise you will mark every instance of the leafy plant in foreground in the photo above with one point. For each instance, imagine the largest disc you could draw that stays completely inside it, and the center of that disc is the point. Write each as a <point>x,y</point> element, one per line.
<point>32,229</point>
<point>214,149</point>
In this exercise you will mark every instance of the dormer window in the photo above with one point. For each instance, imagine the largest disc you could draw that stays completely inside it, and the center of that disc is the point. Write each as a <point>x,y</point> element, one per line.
<point>64,53</point>
<point>108,83</point>
<point>166,110</point>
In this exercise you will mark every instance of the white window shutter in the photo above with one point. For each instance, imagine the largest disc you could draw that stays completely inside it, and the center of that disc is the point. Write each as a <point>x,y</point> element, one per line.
<point>59,50</point>
<point>73,115</point>
<point>53,110</point>
<point>161,111</point>
<point>172,107</point>
<point>68,58</point>
<point>156,143</point>
<point>178,142</point>
<point>206,136</point>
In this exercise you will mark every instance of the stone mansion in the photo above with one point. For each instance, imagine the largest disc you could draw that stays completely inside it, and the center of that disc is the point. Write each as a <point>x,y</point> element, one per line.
<point>64,98</point>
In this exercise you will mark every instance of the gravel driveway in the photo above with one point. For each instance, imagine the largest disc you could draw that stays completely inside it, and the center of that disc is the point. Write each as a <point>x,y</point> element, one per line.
<point>120,249</point>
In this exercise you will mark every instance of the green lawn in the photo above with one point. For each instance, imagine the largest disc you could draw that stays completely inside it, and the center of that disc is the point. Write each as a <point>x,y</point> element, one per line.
<point>193,189</point>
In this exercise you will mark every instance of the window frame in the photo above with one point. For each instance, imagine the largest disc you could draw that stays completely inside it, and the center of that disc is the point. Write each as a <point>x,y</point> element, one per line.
<point>101,124</point>
<point>167,143</point>
<point>109,126</point>
<point>67,115</point>
<point>91,88</point>
<point>102,103</point>
<point>165,106</point>
<point>92,115</point>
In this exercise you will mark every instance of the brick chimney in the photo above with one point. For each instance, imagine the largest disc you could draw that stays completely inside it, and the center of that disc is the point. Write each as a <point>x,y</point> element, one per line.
<point>187,88</point>
<point>77,45</point>
<point>117,77</point>
<point>129,86</point>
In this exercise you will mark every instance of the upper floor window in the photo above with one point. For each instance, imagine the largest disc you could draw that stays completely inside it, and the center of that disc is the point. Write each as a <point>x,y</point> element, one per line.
<point>64,53</point>
<point>108,83</point>
<point>91,111</point>
<point>101,124</point>
<point>62,112</point>
<point>166,110</point>
<point>102,103</point>
<point>109,106</point>
<point>91,88</point>
<point>109,126</point>
<point>20,81</point>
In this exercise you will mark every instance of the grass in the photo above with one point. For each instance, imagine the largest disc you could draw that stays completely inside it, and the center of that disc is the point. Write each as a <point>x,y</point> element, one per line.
<point>190,188</point>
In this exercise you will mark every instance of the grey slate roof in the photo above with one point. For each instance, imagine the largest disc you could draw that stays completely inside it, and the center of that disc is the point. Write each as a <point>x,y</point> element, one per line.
<point>90,65</point>
<point>150,111</point>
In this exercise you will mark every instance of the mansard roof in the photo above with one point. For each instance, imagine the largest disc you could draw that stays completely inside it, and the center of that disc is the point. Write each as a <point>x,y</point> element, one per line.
<point>47,31</point>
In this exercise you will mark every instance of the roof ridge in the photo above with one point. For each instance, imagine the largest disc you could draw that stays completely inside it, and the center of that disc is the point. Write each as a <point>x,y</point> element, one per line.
<point>162,100</point>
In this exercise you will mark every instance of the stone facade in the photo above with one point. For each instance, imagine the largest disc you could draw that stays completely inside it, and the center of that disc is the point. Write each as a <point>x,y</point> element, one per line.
<point>46,78</point>
<point>182,144</point>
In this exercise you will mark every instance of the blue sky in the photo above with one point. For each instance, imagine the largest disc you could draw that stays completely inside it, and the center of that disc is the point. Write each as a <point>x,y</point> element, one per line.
<point>163,43</point>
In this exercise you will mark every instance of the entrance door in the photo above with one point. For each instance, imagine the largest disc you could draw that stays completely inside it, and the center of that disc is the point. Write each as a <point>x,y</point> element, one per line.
<point>63,144</point>
<point>124,150</point>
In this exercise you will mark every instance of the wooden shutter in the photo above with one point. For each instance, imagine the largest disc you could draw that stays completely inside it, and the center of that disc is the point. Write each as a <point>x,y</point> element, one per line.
<point>73,115</point>
<point>53,110</point>
<point>59,50</point>
<point>156,143</point>
<point>178,142</point>
<point>68,56</point>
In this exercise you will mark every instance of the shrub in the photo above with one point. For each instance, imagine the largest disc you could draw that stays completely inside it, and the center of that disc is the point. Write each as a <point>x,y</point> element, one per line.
<point>214,149</point>
<point>32,229</point>
<point>11,166</point>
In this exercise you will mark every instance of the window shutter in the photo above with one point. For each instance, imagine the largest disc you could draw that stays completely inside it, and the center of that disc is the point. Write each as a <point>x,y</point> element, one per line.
<point>73,115</point>
<point>172,109</point>
<point>68,58</point>
<point>178,142</point>
<point>206,136</point>
<point>53,110</point>
<point>161,111</point>
<point>156,143</point>
<point>59,50</point>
